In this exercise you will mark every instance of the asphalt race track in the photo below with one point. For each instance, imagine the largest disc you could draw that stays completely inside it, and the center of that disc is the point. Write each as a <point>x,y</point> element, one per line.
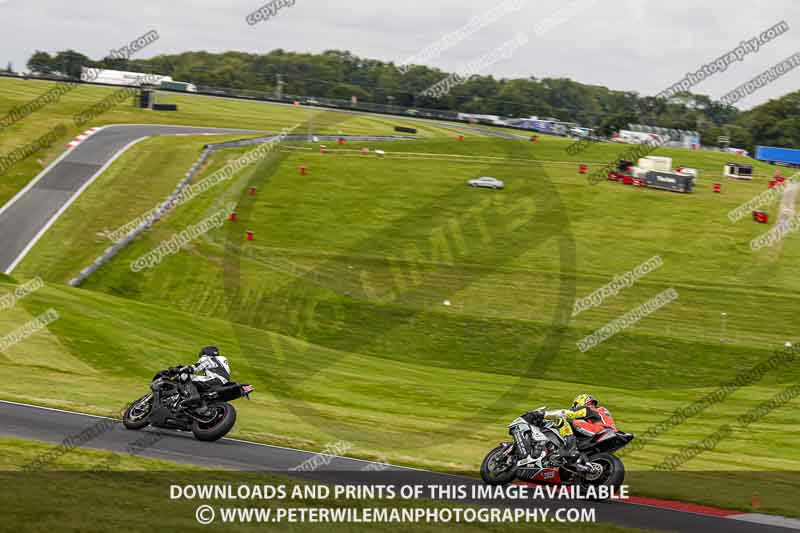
<point>24,421</point>
<point>28,215</point>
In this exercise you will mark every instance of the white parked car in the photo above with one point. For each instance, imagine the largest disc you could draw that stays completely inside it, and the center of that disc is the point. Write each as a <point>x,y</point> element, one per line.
<point>487,182</point>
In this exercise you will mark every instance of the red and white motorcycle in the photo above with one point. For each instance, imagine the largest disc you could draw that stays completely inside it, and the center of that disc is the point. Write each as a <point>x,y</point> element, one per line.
<point>598,439</point>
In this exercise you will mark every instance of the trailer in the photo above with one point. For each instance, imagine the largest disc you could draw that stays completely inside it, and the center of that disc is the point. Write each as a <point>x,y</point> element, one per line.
<point>120,77</point>
<point>178,86</point>
<point>652,162</point>
<point>544,126</point>
<point>775,155</point>
<point>739,171</point>
<point>581,132</point>
<point>669,181</point>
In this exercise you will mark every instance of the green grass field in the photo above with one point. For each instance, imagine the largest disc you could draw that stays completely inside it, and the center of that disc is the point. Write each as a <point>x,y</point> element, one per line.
<point>336,310</point>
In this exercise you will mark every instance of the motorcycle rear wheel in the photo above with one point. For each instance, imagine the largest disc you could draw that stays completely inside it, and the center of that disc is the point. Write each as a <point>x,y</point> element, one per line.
<point>223,422</point>
<point>490,471</point>
<point>613,470</point>
<point>136,416</point>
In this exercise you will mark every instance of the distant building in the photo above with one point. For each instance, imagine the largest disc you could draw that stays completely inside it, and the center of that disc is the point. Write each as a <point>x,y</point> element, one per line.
<point>118,77</point>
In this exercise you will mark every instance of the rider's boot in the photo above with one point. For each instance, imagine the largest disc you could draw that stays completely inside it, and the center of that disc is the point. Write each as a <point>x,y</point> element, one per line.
<point>196,405</point>
<point>570,450</point>
<point>203,410</point>
<point>193,400</point>
<point>572,457</point>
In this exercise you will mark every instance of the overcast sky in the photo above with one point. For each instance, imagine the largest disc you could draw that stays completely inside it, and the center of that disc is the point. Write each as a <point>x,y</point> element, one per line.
<point>640,45</point>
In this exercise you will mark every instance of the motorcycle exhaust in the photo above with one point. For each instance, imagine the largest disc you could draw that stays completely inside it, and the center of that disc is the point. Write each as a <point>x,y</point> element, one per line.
<point>578,467</point>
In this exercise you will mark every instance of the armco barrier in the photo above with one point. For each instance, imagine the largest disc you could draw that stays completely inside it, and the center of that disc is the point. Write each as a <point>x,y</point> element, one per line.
<point>302,138</point>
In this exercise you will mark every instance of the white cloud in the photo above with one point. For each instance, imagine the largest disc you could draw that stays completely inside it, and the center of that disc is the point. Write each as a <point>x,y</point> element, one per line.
<point>634,45</point>
<point>636,9</point>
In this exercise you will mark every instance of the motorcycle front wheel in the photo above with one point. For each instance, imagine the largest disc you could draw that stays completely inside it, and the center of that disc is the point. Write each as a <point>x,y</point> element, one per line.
<point>220,423</point>
<point>495,468</point>
<point>137,415</point>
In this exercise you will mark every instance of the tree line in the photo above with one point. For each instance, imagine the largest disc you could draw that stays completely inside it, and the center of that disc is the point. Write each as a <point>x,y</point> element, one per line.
<point>342,75</point>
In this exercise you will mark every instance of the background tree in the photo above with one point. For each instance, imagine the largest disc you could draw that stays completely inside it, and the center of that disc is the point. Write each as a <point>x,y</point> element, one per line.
<point>340,74</point>
<point>69,63</point>
<point>618,121</point>
<point>40,62</point>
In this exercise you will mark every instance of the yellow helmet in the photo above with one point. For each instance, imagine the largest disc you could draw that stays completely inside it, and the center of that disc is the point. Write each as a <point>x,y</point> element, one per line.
<point>582,400</point>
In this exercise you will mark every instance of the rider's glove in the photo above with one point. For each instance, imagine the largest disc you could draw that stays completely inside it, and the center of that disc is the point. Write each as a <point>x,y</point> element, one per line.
<point>187,370</point>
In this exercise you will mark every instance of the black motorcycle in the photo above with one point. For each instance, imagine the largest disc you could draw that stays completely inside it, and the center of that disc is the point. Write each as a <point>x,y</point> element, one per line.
<point>164,407</point>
